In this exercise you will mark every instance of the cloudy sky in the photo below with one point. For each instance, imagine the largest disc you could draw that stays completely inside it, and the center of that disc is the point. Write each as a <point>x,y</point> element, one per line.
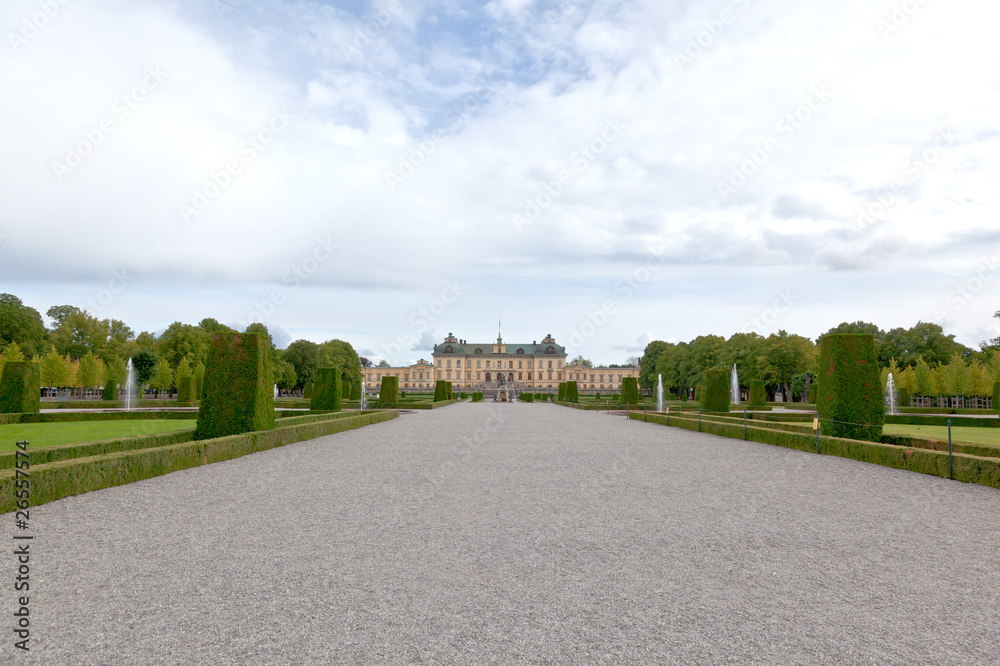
<point>608,172</point>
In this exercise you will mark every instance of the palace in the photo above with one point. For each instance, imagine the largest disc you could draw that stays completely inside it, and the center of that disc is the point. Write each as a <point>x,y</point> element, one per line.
<point>538,366</point>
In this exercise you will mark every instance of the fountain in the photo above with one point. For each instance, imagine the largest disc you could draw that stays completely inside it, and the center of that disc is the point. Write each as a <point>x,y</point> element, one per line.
<point>363,399</point>
<point>659,393</point>
<point>734,386</point>
<point>891,396</point>
<point>131,390</point>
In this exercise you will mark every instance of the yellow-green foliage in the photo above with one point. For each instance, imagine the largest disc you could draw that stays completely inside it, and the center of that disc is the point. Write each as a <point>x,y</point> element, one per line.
<point>850,398</point>
<point>20,389</point>
<point>239,388</point>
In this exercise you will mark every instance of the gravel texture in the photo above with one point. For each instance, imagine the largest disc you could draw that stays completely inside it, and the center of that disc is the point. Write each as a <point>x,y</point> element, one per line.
<point>518,532</point>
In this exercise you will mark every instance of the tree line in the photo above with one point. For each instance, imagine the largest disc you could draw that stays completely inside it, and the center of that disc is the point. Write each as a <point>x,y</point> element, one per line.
<point>80,350</point>
<point>923,358</point>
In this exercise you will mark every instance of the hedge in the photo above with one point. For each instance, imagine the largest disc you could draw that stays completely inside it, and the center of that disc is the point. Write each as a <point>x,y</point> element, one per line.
<point>715,391</point>
<point>967,468</point>
<point>355,390</point>
<point>572,392</point>
<point>327,394</point>
<point>451,393</point>
<point>238,394</point>
<point>758,394</point>
<point>477,396</point>
<point>562,391</point>
<point>526,397</point>
<point>20,388</point>
<point>811,393</point>
<point>996,396</point>
<point>69,417</point>
<point>850,399</point>
<point>307,390</point>
<point>59,479</point>
<point>186,389</point>
<point>440,390</point>
<point>389,393</point>
<point>110,391</point>
<point>630,391</point>
<point>50,454</point>
<point>902,398</point>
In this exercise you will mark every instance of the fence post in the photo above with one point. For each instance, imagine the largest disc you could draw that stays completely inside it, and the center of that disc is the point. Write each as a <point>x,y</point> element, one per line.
<point>699,418</point>
<point>816,428</point>
<point>951,464</point>
<point>744,424</point>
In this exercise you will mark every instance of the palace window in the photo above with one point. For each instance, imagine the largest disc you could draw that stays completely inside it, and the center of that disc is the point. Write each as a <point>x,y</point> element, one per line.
<point>520,376</point>
<point>560,364</point>
<point>449,363</point>
<point>550,365</point>
<point>479,350</point>
<point>520,364</point>
<point>479,375</point>
<point>520,351</point>
<point>448,374</point>
<point>479,364</point>
<point>448,349</point>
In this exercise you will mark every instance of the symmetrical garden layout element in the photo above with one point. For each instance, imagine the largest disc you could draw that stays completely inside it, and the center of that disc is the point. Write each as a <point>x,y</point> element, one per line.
<point>491,533</point>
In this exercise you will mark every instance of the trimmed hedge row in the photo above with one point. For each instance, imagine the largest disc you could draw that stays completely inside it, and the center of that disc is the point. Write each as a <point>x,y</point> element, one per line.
<point>996,396</point>
<point>715,391</point>
<point>388,394</point>
<point>967,468</point>
<point>938,420</point>
<point>20,387</point>
<point>50,454</point>
<point>110,391</point>
<point>477,396</point>
<point>758,394</point>
<point>63,478</point>
<point>440,390</point>
<point>630,391</point>
<point>70,417</point>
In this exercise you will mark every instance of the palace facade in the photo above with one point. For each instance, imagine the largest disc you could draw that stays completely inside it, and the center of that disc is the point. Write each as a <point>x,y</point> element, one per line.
<point>536,367</point>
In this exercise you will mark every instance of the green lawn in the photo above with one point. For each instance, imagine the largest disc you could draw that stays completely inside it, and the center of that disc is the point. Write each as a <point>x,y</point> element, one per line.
<point>54,434</point>
<point>988,436</point>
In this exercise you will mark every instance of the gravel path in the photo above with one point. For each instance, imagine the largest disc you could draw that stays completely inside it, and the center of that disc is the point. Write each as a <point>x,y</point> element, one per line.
<point>525,532</point>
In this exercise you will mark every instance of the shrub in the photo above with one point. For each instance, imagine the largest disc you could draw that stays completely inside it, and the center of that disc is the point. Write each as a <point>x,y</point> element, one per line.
<point>903,397</point>
<point>440,391</point>
<point>186,389</point>
<point>199,385</point>
<point>463,395</point>
<point>402,394</point>
<point>996,396</point>
<point>238,395</point>
<point>630,391</point>
<point>451,393</point>
<point>388,395</point>
<point>526,397</point>
<point>715,391</point>
<point>562,391</point>
<point>327,390</point>
<point>811,396</point>
<point>355,389</point>
<point>20,388</point>
<point>307,390</point>
<point>758,394</point>
<point>850,399</point>
<point>572,392</point>
<point>110,390</point>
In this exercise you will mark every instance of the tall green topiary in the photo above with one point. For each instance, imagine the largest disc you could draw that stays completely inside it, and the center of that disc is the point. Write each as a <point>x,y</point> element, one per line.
<point>850,398</point>
<point>307,390</point>
<point>811,396</point>
<point>355,389</point>
<point>238,391</point>
<point>996,396</point>
<point>715,391</point>
<point>903,397</point>
<point>389,393</point>
<point>562,391</point>
<point>572,392</point>
<point>440,391</point>
<point>186,389</point>
<point>450,392</point>
<point>758,394</point>
<point>327,392</point>
<point>110,390</point>
<point>630,391</point>
<point>20,388</point>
